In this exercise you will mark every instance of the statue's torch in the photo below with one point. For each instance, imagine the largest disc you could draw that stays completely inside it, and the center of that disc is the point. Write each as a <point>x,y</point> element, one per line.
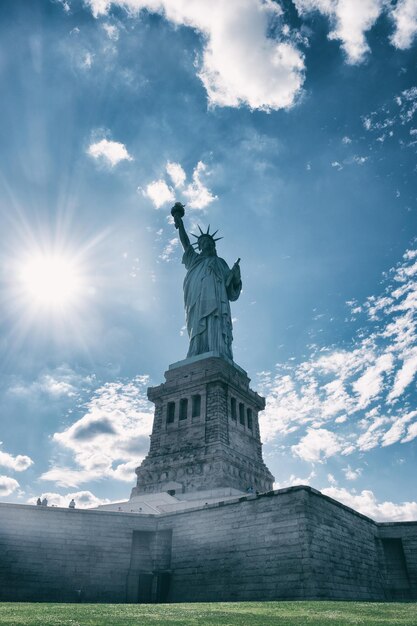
<point>177,212</point>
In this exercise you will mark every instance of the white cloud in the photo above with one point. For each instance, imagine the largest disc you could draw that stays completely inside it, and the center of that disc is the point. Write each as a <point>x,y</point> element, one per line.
<point>395,114</point>
<point>285,407</point>
<point>176,173</point>
<point>113,152</point>
<point>397,429</point>
<point>159,193</point>
<point>352,474</point>
<point>18,463</point>
<point>411,433</point>
<point>241,63</point>
<point>58,383</point>
<point>67,477</point>
<point>112,31</point>
<point>370,384</point>
<point>359,160</point>
<point>373,434</point>
<point>359,394</point>
<point>125,471</point>
<point>404,16</point>
<point>297,396</point>
<point>7,485</point>
<point>55,387</point>
<point>331,479</point>
<point>198,195</point>
<point>87,60</point>
<point>404,376</point>
<point>110,439</point>
<point>366,503</point>
<point>83,499</point>
<point>65,5</point>
<point>349,19</point>
<point>317,444</point>
<point>296,480</point>
<point>169,249</point>
<point>354,160</point>
<point>99,7</point>
<point>367,123</point>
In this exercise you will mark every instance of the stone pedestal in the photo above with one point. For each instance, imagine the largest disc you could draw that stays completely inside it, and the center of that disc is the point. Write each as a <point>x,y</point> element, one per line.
<point>205,432</point>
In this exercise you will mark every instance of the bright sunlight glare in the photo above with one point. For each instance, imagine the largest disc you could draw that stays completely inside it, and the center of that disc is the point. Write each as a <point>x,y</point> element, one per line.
<point>50,280</point>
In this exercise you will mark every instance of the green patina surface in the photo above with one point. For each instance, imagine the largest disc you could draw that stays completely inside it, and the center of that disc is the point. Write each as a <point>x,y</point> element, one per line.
<point>206,614</point>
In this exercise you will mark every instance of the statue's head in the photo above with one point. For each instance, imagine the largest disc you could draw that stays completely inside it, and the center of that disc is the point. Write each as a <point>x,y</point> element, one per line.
<point>206,242</point>
<point>207,245</point>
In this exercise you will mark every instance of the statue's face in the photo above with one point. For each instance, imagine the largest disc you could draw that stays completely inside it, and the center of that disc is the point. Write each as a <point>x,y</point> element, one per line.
<point>207,246</point>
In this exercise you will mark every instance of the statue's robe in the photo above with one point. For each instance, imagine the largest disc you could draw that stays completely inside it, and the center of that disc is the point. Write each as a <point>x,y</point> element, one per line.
<point>207,308</point>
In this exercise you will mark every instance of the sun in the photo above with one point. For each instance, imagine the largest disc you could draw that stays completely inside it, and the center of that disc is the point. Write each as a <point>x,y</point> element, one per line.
<point>51,281</point>
<point>49,287</point>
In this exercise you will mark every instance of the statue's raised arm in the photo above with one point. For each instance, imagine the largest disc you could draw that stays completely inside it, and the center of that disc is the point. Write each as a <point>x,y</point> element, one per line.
<point>209,285</point>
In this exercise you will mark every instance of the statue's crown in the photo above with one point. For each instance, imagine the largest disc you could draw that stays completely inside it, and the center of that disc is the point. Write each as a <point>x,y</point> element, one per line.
<point>206,234</point>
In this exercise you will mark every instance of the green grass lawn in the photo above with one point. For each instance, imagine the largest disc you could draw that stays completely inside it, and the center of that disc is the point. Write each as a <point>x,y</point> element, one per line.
<point>206,614</point>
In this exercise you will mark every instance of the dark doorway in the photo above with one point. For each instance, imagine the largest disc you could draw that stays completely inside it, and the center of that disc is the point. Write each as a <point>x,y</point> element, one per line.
<point>162,586</point>
<point>149,575</point>
<point>397,581</point>
<point>145,588</point>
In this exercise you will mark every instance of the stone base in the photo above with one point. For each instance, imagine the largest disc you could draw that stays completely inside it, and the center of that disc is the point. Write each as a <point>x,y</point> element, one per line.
<point>205,433</point>
<point>201,357</point>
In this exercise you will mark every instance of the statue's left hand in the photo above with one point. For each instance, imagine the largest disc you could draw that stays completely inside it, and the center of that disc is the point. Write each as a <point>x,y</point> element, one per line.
<point>235,272</point>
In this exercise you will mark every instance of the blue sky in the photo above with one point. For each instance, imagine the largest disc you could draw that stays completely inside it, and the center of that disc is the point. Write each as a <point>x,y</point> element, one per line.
<point>291,127</point>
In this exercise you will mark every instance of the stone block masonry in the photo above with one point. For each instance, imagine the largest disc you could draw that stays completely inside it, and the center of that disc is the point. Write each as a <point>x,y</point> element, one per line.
<point>292,543</point>
<point>248,550</point>
<point>53,554</point>
<point>205,433</point>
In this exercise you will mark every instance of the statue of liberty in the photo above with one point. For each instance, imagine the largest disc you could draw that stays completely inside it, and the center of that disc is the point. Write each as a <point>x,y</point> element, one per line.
<point>209,285</point>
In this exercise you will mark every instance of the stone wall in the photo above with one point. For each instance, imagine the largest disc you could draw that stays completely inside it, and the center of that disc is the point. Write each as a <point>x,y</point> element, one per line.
<point>48,553</point>
<point>249,550</point>
<point>343,552</point>
<point>292,543</point>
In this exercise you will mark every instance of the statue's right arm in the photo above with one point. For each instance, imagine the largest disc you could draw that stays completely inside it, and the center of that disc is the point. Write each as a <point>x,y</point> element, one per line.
<point>182,233</point>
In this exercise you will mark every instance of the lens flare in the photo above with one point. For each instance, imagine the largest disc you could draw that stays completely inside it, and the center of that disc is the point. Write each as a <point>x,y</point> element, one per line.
<point>50,280</point>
